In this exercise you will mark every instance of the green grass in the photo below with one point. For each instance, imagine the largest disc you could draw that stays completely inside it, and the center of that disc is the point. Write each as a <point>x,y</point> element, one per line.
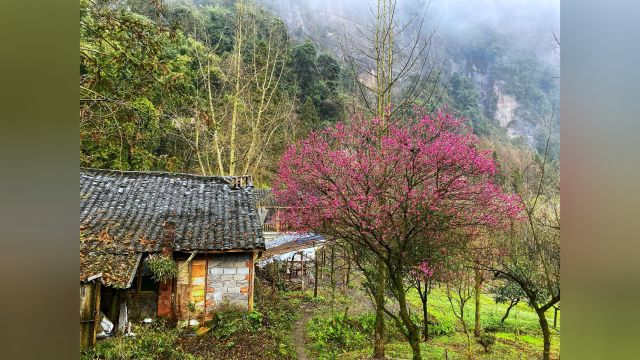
<point>455,348</point>
<point>519,337</point>
<point>521,318</point>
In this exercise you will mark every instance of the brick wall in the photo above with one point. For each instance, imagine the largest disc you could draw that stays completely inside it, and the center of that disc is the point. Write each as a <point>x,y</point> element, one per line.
<point>164,298</point>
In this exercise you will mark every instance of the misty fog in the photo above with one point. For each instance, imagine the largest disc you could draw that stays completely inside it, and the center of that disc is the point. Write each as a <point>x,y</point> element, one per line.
<point>529,24</point>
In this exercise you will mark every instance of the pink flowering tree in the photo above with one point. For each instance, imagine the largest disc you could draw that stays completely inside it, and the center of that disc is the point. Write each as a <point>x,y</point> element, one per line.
<point>394,189</point>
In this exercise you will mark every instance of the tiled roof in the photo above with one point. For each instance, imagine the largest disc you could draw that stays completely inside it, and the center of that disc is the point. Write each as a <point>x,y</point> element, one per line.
<point>125,211</point>
<point>112,269</point>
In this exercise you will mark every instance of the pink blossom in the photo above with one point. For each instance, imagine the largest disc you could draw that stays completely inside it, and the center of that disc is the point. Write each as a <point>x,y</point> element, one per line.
<point>425,174</point>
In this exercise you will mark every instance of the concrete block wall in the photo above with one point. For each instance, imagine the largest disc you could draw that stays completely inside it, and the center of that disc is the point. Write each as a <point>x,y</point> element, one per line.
<point>228,281</point>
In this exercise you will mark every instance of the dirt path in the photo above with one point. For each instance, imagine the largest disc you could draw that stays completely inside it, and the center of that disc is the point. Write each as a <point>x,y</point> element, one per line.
<point>299,331</point>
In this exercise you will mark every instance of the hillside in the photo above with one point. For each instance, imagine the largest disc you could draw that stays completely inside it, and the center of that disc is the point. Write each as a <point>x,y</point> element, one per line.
<point>160,100</point>
<point>501,66</point>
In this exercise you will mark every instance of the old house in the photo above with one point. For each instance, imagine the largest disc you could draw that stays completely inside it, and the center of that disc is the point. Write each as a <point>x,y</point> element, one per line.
<point>208,225</point>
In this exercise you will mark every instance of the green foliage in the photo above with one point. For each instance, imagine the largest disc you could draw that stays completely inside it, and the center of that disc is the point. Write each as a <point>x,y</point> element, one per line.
<point>134,75</point>
<point>162,267</point>
<point>441,328</point>
<point>522,319</point>
<point>331,336</point>
<point>487,340</point>
<point>265,333</point>
<point>155,342</point>
<point>278,315</point>
<point>309,114</point>
<point>318,82</point>
<point>218,28</point>
<point>227,323</point>
<point>466,100</point>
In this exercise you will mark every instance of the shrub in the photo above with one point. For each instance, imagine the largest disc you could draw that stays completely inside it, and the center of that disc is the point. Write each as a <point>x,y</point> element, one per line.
<point>162,267</point>
<point>441,328</point>
<point>331,336</point>
<point>261,334</point>
<point>491,323</point>
<point>227,323</point>
<point>487,340</point>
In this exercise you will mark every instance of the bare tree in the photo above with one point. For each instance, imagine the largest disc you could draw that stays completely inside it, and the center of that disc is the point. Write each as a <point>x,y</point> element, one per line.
<point>391,62</point>
<point>246,108</point>
<point>459,286</point>
<point>532,261</point>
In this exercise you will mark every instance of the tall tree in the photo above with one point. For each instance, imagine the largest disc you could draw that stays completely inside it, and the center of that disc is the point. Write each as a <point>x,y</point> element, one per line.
<point>317,79</point>
<point>386,69</point>
<point>391,62</point>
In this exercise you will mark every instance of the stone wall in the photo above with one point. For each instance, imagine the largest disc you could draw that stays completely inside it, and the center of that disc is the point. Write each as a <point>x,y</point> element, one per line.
<point>229,281</point>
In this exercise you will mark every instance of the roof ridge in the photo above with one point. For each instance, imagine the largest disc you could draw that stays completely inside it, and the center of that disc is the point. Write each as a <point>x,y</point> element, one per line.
<point>228,179</point>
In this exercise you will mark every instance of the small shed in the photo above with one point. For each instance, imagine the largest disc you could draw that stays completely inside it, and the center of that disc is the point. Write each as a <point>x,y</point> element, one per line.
<point>209,225</point>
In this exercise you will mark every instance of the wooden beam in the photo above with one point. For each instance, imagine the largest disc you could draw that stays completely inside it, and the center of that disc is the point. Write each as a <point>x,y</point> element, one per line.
<point>86,295</point>
<point>96,313</point>
<point>222,251</point>
<point>302,270</point>
<point>315,274</point>
<point>251,281</point>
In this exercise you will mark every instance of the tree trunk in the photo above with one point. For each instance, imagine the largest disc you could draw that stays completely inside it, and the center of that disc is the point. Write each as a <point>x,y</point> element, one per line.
<point>320,262</point>
<point>414,341</point>
<point>546,334</point>
<point>464,324</point>
<point>511,305</point>
<point>346,282</point>
<point>477,287</point>
<point>424,314</point>
<point>413,335</point>
<point>332,270</point>
<point>462,320</point>
<point>378,337</point>
<point>555,316</point>
<point>345,274</point>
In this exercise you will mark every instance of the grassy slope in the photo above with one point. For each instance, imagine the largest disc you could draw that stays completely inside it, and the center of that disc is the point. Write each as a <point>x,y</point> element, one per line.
<point>520,338</point>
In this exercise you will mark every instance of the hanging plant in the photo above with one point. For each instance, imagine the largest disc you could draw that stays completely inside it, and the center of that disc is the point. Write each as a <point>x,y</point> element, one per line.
<point>162,268</point>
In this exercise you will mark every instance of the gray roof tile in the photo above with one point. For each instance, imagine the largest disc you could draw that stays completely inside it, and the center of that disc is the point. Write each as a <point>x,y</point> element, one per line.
<point>127,209</point>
